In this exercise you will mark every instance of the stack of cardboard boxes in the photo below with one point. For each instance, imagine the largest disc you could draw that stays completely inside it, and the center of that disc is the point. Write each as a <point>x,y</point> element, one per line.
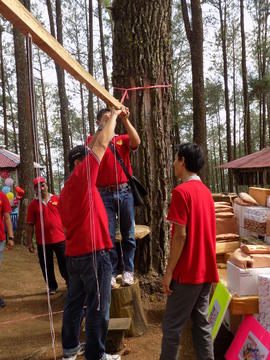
<point>254,224</point>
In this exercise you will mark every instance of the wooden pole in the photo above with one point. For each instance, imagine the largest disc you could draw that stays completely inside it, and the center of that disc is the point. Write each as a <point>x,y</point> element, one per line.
<point>25,22</point>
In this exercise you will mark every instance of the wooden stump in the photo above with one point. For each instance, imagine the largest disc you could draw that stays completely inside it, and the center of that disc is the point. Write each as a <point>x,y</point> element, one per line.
<point>140,232</point>
<point>126,303</point>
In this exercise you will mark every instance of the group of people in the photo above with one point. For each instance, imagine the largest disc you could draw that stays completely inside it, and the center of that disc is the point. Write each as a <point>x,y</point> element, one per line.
<point>79,226</point>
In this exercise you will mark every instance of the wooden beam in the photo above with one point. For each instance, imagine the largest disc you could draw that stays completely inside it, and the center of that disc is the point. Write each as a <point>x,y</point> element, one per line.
<point>25,22</point>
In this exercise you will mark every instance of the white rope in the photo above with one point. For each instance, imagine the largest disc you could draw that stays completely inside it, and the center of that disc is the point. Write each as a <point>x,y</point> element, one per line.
<point>35,135</point>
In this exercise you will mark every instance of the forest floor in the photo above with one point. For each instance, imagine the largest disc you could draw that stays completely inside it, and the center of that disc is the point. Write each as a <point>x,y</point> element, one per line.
<point>25,328</point>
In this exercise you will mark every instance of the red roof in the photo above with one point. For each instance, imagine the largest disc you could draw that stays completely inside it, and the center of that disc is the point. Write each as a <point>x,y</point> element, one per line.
<point>259,159</point>
<point>11,160</point>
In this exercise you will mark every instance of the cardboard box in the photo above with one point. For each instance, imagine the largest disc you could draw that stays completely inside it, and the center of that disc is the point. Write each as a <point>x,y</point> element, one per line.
<point>259,194</point>
<point>244,282</point>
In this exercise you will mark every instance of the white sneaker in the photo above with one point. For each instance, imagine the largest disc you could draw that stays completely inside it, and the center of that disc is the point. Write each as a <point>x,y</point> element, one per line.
<point>127,278</point>
<point>80,351</point>
<point>111,357</point>
<point>114,283</point>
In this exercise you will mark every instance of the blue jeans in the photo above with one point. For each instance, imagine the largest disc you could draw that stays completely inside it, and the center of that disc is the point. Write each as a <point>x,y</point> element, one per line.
<point>2,246</point>
<point>127,225</point>
<point>85,273</point>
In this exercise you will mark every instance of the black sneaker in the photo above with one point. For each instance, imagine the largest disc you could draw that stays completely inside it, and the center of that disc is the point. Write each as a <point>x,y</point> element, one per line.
<point>52,291</point>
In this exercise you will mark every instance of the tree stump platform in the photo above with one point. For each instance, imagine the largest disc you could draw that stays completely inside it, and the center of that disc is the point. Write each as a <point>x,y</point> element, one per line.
<point>126,303</point>
<point>140,232</point>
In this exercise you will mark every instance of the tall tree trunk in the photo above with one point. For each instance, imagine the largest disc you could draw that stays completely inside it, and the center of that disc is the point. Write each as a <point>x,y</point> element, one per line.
<point>234,94</point>
<point>26,169</point>
<point>247,137</point>
<point>194,32</point>
<point>61,81</point>
<point>15,141</point>
<point>3,78</point>
<point>90,68</point>
<point>46,128</point>
<point>78,51</point>
<point>145,28</point>
<point>102,46</point>
<point>223,30</point>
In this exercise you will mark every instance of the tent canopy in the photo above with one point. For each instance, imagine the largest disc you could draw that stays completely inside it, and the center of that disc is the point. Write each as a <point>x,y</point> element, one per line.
<point>10,160</point>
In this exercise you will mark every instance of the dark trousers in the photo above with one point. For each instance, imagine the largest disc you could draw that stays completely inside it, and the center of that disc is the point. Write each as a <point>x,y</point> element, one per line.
<point>187,301</point>
<point>90,284</point>
<point>59,250</point>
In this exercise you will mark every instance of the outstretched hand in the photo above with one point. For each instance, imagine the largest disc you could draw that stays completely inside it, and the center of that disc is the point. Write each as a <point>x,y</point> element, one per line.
<point>125,113</point>
<point>115,112</point>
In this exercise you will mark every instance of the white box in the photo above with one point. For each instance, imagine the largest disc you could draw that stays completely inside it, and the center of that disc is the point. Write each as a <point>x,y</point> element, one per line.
<point>244,282</point>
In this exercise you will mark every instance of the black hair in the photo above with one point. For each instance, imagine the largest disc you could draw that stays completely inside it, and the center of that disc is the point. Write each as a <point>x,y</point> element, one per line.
<point>193,155</point>
<point>78,152</point>
<point>102,112</point>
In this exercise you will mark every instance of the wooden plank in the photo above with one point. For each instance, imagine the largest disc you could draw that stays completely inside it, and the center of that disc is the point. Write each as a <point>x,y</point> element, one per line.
<point>119,324</point>
<point>244,305</point>
<point>226,246</point>
<point>25,22</point>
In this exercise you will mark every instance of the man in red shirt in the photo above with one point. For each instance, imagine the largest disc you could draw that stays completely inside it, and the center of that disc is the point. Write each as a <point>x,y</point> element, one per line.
<point>5,209</point>
<point>87,248</point>
<point>192,261</point>
<point>54,237</point>
<point>118,199</point>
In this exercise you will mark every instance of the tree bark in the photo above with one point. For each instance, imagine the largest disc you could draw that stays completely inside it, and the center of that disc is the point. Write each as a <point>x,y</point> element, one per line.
<point>15,141</point>
<point>25,169</point>
<point>142,55</point>
<point>46,129</point>
<point>102,46</point>
<point>247,137</point>
<point>90,68</point>
<point>61,82</point>
<point>3,78</point>
<point>194,32</point>
<point>223,30</point>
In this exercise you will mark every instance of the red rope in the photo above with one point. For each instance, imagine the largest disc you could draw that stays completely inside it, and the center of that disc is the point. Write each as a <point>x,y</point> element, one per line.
<point>125,91</point>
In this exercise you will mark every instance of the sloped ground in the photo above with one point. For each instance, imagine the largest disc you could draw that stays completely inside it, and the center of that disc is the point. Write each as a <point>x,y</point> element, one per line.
<point>25,327</point>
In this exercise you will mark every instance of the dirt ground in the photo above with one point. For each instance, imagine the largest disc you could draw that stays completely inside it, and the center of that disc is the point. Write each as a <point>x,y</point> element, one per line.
<point>25,332</point>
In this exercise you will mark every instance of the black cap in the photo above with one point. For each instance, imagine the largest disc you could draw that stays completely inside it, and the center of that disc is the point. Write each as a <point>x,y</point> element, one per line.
<point>78,152</point>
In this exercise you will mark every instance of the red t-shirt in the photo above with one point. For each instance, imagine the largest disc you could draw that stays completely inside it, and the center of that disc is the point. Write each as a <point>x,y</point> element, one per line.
<point>192,206</point>
<point>107,172</point>
<point>4,208</point>
<point>83,213</point>
<point>53,228</point>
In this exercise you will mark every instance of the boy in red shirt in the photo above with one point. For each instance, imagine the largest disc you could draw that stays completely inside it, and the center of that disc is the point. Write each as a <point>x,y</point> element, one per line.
<point>87,248</point>
<point>5,209</point>
<point>118,199</point>
<point>54,236</point>
<point>192,262</point>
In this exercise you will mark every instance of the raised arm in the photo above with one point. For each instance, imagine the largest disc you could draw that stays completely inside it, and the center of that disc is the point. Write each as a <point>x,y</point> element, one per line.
<point>134,139</point>
<point>104,134</point>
